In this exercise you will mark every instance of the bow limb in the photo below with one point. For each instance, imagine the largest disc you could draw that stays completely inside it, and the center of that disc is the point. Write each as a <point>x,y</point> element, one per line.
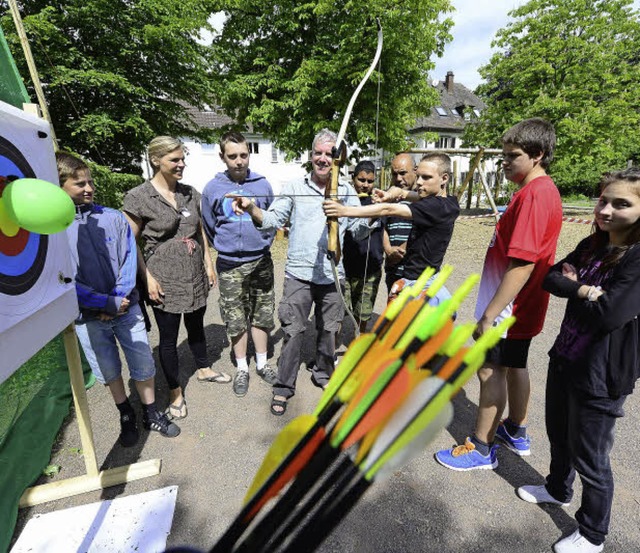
<point>339,155</point>
<point>340,150</point>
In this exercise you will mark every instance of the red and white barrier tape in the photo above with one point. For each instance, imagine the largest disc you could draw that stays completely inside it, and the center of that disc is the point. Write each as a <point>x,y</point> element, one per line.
<point>566,219</point>
<point>476,216</point>
<point>576,220</point>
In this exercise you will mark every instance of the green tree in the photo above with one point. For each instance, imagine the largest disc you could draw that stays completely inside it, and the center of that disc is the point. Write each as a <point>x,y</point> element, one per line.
<point>289,68</point>
<point>575,63</point>
<point>117,72</point>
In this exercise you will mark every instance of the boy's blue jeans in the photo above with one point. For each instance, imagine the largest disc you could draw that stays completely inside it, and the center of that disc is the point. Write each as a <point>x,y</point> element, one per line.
<point>98,340</point>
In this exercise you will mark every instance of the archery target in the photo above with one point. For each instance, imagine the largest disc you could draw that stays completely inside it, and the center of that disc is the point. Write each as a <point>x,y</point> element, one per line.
<point>37,296</point>
<point>21,256</point>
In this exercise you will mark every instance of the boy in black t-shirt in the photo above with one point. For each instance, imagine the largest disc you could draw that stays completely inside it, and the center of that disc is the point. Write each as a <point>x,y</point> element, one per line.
<point>433,214</point>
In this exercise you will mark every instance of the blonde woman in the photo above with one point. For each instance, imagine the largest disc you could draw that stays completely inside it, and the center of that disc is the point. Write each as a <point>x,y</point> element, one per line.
<point>175,262</point>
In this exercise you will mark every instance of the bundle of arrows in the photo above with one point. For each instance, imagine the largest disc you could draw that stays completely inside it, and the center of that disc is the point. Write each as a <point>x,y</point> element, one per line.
<point>389,397</point>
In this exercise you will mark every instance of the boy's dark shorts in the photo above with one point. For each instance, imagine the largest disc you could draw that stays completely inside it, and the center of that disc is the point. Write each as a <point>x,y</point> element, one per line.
<point>510,352</point>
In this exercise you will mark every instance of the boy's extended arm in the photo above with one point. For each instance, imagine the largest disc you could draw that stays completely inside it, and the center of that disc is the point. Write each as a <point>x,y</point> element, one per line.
<point>335,209</point>
<point>515,277</point>
<point>395,194</point>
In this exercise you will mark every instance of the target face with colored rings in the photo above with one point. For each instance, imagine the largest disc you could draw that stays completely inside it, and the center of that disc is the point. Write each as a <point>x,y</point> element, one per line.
<point>23,255</point>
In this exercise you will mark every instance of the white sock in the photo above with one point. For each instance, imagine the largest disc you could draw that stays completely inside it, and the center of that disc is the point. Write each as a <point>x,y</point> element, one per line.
<point>242,364</point>
<point>261,360</point>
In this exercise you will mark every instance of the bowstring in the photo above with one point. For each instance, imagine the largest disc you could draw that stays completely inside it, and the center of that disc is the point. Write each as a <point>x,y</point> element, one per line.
<point>366,261</point>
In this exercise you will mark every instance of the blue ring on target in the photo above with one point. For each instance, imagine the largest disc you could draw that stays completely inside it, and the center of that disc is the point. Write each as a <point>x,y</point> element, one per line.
<point>19,272</point>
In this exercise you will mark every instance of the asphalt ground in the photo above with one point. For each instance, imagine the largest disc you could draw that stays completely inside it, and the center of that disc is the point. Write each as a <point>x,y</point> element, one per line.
<point>421,507</point>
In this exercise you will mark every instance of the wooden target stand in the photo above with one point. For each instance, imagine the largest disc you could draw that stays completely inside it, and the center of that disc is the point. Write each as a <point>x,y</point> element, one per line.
<point>94,479</point>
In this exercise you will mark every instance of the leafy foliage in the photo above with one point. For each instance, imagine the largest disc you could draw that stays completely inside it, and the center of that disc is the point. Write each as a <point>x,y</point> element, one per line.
<point>575,63</point>
<point>111,187</point>
<point>117,72</point>
<point>289,68</point>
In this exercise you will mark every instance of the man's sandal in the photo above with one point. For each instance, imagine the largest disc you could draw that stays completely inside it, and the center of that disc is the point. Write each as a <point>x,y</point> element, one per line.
<point>278,406</point>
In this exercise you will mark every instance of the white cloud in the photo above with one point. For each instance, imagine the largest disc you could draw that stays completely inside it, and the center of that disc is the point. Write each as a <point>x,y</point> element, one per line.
<point>475,26</point>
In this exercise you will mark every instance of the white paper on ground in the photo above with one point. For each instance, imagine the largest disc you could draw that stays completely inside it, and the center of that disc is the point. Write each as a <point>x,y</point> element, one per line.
<point>137,523</point>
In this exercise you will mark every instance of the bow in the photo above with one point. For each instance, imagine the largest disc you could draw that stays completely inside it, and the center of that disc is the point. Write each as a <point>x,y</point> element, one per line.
<point>339,154</point>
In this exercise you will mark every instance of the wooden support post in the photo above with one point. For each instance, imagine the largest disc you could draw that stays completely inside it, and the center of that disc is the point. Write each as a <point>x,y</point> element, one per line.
<point>487,191</point>
<point>479,192</point>
<point>496,184</point>
<point>472,167</point>
<point>72,351</point>
<point>455,177</point>
<point>35,78</point>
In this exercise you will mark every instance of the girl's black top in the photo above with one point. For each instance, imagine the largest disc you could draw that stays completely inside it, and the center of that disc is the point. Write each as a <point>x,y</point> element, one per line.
<point>599,340</point>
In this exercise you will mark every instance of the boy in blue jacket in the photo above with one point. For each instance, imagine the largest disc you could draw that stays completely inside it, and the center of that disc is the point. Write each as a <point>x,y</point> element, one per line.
<point>103,250</point>
<point>244,264</point>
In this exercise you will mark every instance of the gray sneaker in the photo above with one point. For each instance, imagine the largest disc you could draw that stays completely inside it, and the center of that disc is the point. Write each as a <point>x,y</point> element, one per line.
<point>241,383</point>
<point>268,374</point>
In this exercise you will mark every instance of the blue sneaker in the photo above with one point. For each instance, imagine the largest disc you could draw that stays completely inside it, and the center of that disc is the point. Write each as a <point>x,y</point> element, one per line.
<point>520,446</point>
<point>465,457</point>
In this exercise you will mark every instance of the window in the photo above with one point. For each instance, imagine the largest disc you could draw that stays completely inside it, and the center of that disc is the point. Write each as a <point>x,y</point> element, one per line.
<point>476,111</point>
<point>274,154</point>
<point>441,111</point>
<point>445,142</point>
<point>455,112</point>
<point>253,147</point>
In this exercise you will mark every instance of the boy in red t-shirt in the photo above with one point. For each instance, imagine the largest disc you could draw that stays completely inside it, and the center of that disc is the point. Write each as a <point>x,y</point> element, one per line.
<point>518,258</point>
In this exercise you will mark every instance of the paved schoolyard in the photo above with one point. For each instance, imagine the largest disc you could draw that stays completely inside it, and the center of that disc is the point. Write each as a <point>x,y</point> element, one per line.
<point>422,507</point>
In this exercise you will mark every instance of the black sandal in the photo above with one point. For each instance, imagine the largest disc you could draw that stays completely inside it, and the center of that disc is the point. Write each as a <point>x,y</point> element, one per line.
<point>178,411</point>
<point>282,404</point>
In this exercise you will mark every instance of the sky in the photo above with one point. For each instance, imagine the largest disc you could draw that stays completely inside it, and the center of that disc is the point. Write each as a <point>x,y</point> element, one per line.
<point>475,26</point>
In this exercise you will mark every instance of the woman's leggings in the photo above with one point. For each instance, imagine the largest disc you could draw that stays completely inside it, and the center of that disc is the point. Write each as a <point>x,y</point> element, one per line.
<point>168,327</point>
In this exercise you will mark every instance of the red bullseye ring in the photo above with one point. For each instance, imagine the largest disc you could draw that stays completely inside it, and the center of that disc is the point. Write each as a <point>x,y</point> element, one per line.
<point>13,245</point>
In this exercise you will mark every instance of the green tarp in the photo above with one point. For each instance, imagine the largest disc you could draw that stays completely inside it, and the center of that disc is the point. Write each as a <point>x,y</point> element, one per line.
<point>35,401</point>
<point>12,89</point>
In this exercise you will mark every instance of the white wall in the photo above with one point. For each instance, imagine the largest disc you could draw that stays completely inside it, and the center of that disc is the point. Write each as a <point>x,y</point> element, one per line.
<point>203,162</point>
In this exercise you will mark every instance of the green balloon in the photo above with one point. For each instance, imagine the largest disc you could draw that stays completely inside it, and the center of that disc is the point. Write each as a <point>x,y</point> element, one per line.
<point>38,206</point>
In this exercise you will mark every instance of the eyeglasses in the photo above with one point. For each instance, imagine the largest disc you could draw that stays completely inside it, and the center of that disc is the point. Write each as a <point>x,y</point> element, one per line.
<point>363,180</point>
